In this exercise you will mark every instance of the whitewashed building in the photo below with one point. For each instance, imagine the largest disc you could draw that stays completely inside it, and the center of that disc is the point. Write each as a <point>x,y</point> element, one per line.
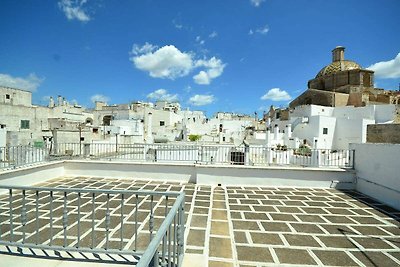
<point>327,127</point>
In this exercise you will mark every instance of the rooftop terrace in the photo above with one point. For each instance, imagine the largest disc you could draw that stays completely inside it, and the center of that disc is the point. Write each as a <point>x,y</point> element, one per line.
<point>234,215</point>
<point>238,225</point>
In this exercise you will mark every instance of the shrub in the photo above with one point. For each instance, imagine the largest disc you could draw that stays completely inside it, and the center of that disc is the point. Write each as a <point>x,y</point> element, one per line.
<point>194,137</point>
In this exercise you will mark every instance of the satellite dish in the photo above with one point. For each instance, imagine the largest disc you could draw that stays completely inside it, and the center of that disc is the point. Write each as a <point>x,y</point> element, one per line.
<point>237,141</point>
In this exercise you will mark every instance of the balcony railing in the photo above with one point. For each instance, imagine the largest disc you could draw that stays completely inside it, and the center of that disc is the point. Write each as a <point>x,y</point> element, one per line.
<point>96,221</point>
<point>17,156</point>
<point>12,157</point>
<point>212,154</point>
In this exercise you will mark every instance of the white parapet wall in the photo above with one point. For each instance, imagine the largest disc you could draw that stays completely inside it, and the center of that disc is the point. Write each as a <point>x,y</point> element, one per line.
<point>214,174</point>
<point>28,176</point>
<point>378,171</point>
<point>131,170</point>
<point>191,173</point>
<point>275,176</point>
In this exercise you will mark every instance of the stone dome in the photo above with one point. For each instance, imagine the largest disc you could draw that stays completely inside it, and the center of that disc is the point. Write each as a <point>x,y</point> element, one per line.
<point>337,66</point>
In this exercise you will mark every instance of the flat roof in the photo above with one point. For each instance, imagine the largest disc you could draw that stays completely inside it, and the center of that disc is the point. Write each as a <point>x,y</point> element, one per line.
<point>246,225</point>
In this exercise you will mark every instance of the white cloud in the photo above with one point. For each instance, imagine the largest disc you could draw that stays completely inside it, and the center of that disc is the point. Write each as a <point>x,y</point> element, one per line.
<point>171,63</point>
<point>162,94</point>
<point>387,69</point>
<point>213,35</point>
<point>263,30</point>
<point>256,3</point>
<point>146,48</point>
<point>30,83</point>
<point>214,68</point>
<point>199,40</point>
<point>177,25</point>
<point>276,94</point>
<point>201,100</point>
<point>100,98</point>
<point>166,62</point>
<point>201,78</point>
<point>73,9</point>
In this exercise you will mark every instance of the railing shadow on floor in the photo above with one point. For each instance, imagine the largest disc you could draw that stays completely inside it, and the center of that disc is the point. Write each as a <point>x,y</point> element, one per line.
<point>133,225</point>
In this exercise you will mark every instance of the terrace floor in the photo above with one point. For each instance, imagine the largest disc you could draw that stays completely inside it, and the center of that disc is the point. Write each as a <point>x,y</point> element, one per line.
<point>242,225</point>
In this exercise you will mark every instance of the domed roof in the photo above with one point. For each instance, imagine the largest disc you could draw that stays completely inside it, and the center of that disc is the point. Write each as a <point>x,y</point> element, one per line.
<point>337,66</point>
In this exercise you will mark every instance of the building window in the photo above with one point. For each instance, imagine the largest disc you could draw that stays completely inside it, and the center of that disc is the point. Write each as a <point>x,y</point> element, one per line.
<point>8,96</point>
<point>24,124</point>
<point>95,130</point>
<point>325,131</point>
<point>162,123</point>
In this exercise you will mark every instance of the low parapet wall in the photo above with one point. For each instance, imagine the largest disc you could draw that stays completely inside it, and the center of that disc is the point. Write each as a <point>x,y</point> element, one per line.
<point>31,175</point>
<point>215,174</point>
<point>377,168</point>
<point>191,173</point>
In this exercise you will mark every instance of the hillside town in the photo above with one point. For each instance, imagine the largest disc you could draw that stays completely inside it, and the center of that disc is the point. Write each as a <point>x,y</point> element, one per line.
<point>339,107</point>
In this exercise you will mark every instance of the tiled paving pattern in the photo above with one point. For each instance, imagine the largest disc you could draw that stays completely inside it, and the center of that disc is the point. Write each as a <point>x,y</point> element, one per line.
<point>255,226</point>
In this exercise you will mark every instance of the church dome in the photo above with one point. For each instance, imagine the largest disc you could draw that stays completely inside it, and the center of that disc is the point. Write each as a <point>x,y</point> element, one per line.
<point>338,63</point>
<point>337,66</point>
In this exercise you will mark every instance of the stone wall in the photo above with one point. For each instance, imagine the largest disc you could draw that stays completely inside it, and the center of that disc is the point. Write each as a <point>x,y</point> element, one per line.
<point>383,133</point>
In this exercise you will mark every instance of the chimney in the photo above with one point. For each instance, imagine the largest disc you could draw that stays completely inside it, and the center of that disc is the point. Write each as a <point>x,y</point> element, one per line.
<point>149,135</point>
<point>338,54</point>
<point>276,132</point>
<point>51,102</point>
<point>59,100</point>
<point>99,105</point>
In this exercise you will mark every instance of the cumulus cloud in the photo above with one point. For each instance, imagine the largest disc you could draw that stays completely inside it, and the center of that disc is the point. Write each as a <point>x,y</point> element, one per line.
<point>29,83</point>
<point>166,62</point>
<point>214,68</point>
<point>256,3</point>
<point>201,100</point>
<point>387,69</point>
<point>170,63</point>
<point>162,95</point>
<point>74,9</point>
<point>99,98</point>
<point>276,94</point>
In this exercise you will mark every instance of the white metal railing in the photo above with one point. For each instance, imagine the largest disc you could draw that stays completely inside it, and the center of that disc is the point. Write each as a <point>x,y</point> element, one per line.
<point>212,154</point>
<point>17,156</point>
<point>92,216</point>
<point>11,157</point>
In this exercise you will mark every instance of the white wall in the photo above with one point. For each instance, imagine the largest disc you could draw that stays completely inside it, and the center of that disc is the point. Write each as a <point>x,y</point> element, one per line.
<point>29,176</point>
<point>3,137</point>
<point>135,170</point>
<point>275,176</point>
<point>350,131</point>
<point>212,174</point>
<point>377,167</point>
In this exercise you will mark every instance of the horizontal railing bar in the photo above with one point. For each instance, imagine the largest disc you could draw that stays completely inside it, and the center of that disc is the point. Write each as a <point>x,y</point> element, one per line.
<point>97,191</point>
<point>74,249</point>
<point>148,255</point>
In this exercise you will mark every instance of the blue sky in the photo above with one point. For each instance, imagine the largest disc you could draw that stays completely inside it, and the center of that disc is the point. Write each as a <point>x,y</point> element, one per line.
<point>226,55</point>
